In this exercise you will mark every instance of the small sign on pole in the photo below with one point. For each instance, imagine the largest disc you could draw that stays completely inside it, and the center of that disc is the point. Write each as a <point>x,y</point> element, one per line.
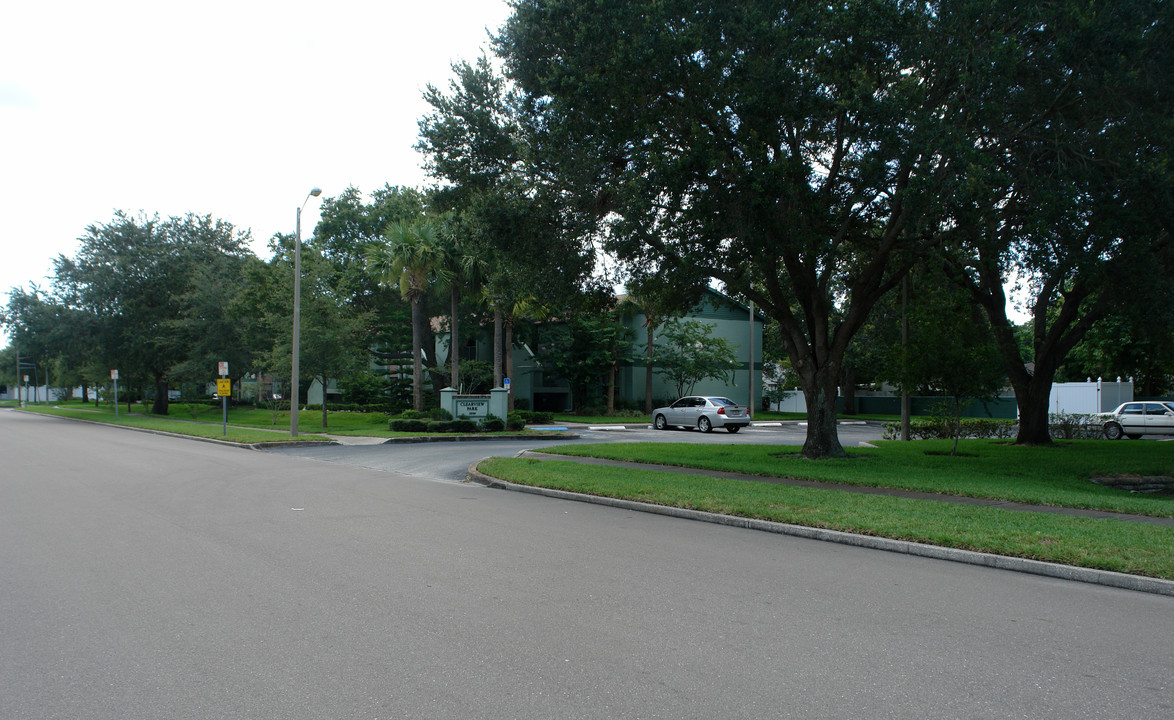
<point>506,383</point>
<point>114,377</point>
<point>224,389</point>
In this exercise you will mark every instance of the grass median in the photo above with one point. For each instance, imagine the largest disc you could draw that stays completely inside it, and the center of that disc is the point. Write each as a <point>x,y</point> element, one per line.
<point>1058,475</point>
<point>175,426</point>
<point>183,416</point>
<point>1128,547</point>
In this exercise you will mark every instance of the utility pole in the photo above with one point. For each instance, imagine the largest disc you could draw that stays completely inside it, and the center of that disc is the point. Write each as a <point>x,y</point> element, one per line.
<point>906,401</point>
<point>750,407</point>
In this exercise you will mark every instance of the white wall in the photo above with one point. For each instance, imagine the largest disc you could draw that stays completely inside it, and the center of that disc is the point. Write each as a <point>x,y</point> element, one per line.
<point>795,402</point>
<point>37,394</point>
<point>1093,396</point>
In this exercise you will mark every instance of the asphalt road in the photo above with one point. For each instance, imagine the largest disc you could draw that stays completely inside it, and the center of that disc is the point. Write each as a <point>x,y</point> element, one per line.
<point>450,461</point>
<point>144,576</point>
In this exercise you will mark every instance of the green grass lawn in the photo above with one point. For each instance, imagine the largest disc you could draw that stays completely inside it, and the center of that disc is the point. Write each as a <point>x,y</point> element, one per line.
<point>309,421</point>
<point>1127,547</point>
<point>1058,475</point>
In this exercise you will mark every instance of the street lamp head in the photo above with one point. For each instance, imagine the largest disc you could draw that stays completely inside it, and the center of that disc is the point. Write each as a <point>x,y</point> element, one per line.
<point>316,192</point>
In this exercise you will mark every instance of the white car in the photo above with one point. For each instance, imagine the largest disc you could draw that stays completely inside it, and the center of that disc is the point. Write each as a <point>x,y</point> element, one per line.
<point>1134,419</point>
<point>703,413</point>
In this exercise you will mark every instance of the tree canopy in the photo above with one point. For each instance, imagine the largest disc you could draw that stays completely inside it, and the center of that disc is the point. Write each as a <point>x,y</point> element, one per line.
<point>791,150</point>
<point>806,154</point>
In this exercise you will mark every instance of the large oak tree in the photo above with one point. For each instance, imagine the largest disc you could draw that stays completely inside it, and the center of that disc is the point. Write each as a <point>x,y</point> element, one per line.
<point>1070,179</point>
<point>794,151</point>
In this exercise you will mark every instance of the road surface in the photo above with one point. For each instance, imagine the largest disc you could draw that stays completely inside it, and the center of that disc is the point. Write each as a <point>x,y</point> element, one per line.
<point>144,576</point>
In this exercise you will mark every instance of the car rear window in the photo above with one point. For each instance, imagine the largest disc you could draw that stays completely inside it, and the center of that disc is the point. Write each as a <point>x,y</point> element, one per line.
<point>722,401</point>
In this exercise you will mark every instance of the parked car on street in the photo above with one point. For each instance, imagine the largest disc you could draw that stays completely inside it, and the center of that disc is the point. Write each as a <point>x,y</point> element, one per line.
<point>703,413</point>
<point>1134,419</point>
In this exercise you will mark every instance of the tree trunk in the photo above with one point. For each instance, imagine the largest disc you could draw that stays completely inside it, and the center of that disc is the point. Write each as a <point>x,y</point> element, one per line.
<point>454,339</point>
<point>325,380</point>
<point>849,390</point>
<point>1032,399</point>
<point>611,390</point>
<point>160,405</point>
<point>497,353</point>
<point>509,361</point>
<point>648,370</point>
<point>85,393</point>
<point>957,425</point>
<point>417,359</point>
<point>822,441</point>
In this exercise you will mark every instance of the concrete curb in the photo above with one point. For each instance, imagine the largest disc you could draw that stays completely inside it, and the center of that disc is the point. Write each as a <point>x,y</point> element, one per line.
<point>969,557</point>
<point>472,438</point>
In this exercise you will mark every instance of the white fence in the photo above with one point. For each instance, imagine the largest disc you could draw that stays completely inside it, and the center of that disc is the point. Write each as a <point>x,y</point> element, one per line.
<point>1076,398</point>
<point>29,394</point>
<point>793,402</point>
<point>1092,396</point>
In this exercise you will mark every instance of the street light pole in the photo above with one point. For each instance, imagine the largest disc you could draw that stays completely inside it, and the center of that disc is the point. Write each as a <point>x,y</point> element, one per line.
<point>295,370</point>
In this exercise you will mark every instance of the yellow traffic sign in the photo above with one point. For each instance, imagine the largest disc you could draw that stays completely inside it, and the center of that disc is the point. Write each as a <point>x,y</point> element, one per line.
<point>223,387</point>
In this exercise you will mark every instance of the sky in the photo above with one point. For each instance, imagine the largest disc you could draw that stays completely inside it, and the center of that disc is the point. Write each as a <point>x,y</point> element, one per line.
<point>231,109</point>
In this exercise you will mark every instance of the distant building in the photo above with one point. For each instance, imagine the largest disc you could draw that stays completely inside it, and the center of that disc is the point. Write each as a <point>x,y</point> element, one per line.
<point>541,389</point>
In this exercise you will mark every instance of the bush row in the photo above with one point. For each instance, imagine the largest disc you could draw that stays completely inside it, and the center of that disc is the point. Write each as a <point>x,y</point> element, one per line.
<point>383,407</point>
<point>459,425</point>
<point>1062,427</point>
<point>937,428</point>
<point>1076,427</point>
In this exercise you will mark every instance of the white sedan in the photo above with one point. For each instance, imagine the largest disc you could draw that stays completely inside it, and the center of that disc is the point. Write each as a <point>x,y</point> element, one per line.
<point>703,413</point>
<point>1134,419</point>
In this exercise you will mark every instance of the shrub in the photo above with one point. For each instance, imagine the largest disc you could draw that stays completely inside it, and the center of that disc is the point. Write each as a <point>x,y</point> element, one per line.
<point>515,423</point>
<point>526,416</point>
<point>1064,426</point>
<point>439,414</point>
<point>193,409</point>
<point>413,415</point>
<point>409,425</point>
<point>463,425</point>
<point>493,423</point>
<point>943,428</point>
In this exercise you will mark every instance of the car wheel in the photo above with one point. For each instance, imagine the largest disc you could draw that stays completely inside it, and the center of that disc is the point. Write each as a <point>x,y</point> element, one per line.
<point>704,425</point>
<point>1113,431</point>
<point>733,428</point>
<point>660,423</point>
<point>1132,436</point>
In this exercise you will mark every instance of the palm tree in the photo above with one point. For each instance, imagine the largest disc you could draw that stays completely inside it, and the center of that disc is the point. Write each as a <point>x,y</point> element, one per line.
<point>509,304</point>
<point>462,266</point>
<point>658,304</point>
<point>410,257</point>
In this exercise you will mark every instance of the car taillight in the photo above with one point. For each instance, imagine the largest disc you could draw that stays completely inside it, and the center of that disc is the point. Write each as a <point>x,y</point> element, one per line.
<point>721,411</point>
